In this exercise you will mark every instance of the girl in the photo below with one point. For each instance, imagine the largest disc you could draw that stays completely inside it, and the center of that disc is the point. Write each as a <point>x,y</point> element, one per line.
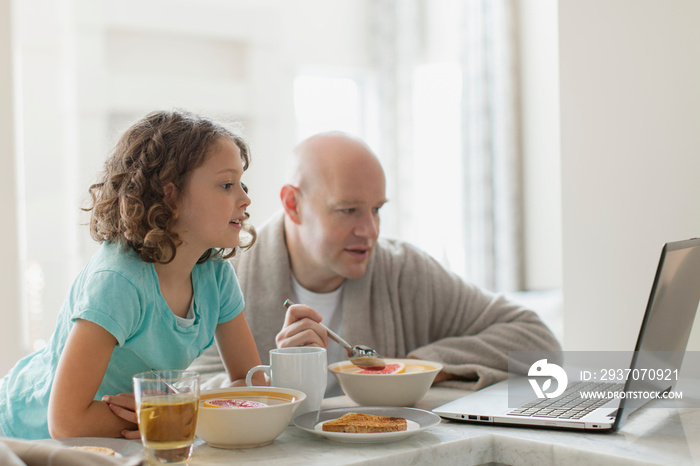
<point>167,208</point>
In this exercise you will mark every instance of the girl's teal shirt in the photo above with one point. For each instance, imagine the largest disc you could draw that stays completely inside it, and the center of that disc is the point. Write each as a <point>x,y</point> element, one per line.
<point>121,293</point>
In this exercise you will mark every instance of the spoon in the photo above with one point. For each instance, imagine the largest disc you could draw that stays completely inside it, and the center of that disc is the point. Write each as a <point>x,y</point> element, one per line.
<point>167,384</point>
<point>360,355</point>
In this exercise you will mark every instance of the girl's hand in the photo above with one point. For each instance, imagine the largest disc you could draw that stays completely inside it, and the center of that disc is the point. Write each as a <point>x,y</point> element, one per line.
<point>259,380</point>
<point>124,406</point>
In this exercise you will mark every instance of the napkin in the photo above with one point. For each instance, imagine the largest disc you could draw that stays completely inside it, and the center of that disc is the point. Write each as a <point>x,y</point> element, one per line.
<point>27,453</point>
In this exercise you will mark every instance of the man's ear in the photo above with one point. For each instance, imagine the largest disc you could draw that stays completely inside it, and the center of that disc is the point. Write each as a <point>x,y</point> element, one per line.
<point>289,195</point>
<point>170,194</point>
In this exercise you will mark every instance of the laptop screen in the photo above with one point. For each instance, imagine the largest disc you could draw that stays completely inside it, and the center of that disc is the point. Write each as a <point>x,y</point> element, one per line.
<point>668,320</point>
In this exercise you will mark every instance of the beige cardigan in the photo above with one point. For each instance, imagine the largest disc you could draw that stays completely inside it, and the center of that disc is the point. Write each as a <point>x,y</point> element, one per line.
<point>406,304</point>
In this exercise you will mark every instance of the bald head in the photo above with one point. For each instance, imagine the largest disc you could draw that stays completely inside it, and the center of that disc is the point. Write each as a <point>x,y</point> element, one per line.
<point>320,160</point>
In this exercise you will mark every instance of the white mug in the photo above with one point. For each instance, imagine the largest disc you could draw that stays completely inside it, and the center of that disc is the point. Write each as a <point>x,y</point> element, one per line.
<point>303,368</point>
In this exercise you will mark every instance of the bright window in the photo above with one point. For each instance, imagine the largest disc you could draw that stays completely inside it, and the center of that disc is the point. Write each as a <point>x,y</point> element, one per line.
<point>323,103</point>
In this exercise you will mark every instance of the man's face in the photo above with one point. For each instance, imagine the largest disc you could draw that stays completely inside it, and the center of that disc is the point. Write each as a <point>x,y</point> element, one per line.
<point>340,225</point>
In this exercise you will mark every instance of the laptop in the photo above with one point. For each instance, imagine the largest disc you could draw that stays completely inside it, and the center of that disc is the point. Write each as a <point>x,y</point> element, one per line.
<point>660,347</point>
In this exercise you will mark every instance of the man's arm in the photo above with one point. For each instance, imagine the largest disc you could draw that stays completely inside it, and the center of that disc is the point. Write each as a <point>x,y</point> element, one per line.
<point>478,350</point>
<point>466,328</point>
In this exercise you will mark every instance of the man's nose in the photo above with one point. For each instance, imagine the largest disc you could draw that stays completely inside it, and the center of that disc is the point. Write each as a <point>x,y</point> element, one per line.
<point>368,226</point>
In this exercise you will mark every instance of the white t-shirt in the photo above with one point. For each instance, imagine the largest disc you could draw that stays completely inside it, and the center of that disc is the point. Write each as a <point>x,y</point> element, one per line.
<point>329,305</point>
<point>188,320</point>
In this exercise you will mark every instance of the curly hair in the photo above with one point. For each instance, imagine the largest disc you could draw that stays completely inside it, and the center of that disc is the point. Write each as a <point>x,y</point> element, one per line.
<point>127,201</point>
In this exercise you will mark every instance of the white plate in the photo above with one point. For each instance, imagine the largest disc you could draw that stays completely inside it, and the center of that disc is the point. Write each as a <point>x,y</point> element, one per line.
<point>417,420</point>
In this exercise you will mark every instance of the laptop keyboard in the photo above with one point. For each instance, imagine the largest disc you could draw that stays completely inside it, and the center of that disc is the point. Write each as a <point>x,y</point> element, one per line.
<point>570,404</point>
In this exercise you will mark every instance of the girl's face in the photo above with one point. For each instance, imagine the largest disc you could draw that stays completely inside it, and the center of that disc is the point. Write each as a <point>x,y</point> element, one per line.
<point>212,206</point>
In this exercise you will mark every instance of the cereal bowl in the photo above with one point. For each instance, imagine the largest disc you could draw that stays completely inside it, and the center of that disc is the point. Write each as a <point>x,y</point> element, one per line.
<point>404,388</point>
<point>267,411</point>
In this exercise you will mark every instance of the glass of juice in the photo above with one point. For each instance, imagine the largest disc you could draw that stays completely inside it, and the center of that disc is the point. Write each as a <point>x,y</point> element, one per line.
<point>166,406</point>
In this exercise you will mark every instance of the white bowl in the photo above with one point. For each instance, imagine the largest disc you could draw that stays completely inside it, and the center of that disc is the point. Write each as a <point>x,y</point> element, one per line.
<point>402,389</point>
<point>246,427</point>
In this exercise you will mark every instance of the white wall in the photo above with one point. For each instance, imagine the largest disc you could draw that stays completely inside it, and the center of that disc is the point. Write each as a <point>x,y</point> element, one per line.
<point>11,347</point>
<point>630,133</point>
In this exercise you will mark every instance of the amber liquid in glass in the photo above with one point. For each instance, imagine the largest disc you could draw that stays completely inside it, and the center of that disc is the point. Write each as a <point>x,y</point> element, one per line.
<point>168,423</point>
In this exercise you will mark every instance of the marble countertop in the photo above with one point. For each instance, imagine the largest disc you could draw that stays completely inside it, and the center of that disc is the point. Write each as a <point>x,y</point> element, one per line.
<point>650,436</point>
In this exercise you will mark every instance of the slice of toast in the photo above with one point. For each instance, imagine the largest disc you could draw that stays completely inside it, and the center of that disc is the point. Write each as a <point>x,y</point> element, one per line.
<point>104,450</point>
<point>365,423</point>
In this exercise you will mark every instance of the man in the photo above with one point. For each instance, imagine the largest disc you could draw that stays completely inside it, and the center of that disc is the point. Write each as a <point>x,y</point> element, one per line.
<point>324,251</point>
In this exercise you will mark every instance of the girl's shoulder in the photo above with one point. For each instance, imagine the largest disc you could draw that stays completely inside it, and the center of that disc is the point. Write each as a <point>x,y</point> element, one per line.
<point>112,257</point>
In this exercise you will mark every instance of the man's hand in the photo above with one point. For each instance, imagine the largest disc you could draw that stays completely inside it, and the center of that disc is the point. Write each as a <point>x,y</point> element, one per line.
<point>124,406</point>
<point>301,328</point>
<point>442,376</point>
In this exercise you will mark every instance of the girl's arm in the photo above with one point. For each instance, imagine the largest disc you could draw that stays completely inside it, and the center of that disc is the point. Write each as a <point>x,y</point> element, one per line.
<point>72,410</point>
<point>238,350</point>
